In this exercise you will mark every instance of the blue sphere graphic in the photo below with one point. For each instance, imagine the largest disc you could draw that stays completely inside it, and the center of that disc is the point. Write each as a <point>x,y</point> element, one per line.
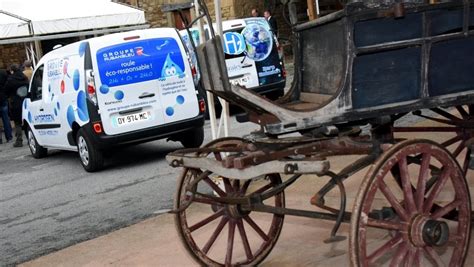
<point>119,95</point>
<point>70,115</point>
<point>104,89</point>
<point>76,80</point>
<point>259,41</point>
<point>30,117</point>
<point>82,49</point>
<point>169,111</point>
<point>82,111</point>
<point>180,99</point>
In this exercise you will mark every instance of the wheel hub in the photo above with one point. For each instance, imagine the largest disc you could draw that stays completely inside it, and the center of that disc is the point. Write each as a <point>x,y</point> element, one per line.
<point>236,212</point>
<point>427,232</point>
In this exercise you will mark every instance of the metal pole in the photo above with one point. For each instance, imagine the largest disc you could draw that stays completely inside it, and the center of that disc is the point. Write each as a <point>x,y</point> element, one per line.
<point>209,95</point>
<point>225,105</point>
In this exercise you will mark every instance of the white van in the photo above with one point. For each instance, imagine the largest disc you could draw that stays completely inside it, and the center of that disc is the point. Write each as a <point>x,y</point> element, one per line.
<point>113,90</point>
<point>253,56</point>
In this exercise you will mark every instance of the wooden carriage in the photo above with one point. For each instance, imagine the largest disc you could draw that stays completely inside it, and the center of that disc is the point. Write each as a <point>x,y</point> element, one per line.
<point>371,63</point>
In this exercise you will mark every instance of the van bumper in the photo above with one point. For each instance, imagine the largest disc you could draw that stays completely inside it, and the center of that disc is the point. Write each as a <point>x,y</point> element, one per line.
<point>103,141</point>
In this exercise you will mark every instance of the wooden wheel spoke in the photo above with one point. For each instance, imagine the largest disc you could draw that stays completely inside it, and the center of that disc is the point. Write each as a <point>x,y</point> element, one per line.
<point>417,258</point>
<point>245,241</point>
<point>245,186</point>
<point>454,239</point>
<point>215,187</point>
<point>467,158</point>
<point>257,228</point>
<point>388,246</point>
<point>227,185</point>
<point>206,220</point>
<point>436,189</point>
<point>452,140</point>
<point>230,244</point>
<point>202,200</point>
<point>214,235</point>
<point>381,224</point>
<point>422,179</point>
<point>439,213</point>
<point>459,148</point>
<point>462,112</point>
<point>410,256</point>
<point>400,255</point>
<point>393,200</point>
<point>236,185</point>
<point>446,114</point>
<point>406,186</point>
<point>433,256</point>
<point>263,189</point>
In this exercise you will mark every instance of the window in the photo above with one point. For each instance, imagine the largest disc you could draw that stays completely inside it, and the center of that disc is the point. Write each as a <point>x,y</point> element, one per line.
<point>36,90</point>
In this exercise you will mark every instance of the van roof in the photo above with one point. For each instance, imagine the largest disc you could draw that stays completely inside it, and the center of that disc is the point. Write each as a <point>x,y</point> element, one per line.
<point>234,23</point>
<point>103,40</point>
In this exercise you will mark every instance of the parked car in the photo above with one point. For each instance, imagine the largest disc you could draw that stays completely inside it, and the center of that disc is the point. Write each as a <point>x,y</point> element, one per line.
<point>113,90</point>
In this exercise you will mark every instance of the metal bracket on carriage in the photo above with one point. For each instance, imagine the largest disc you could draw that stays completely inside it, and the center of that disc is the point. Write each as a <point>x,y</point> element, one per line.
<point>297,167</point>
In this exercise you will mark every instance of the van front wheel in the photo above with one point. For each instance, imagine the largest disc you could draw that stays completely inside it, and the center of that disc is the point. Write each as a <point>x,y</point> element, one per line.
<point>91,158</point>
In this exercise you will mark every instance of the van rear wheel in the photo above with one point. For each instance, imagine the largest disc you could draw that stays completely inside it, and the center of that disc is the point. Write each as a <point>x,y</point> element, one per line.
<point>91,158</point>
<point>37,151</point>
<point>192,138</point>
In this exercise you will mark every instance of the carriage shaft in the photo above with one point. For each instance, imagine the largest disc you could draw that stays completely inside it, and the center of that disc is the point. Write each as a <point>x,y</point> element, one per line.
<point>296,212</point>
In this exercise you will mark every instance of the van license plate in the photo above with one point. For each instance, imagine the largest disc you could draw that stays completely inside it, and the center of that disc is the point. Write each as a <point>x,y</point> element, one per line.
<point>133,118</point>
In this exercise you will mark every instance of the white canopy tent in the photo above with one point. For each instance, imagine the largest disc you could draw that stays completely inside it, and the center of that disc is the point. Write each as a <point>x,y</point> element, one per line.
<point>23,21</point>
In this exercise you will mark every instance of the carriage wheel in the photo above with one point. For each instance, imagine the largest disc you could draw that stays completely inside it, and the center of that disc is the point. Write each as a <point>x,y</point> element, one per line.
<point>225,235</point>
<point>430,219</point>
<point>459,124</point>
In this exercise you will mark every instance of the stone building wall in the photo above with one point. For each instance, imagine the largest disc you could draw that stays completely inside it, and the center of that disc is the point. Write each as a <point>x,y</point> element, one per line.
<point>10,54</point>
<point>231,9</point>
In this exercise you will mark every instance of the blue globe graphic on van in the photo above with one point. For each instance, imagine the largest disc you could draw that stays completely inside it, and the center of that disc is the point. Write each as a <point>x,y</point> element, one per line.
<point>258,40</point>
<point>119,95</point>
<point>169,111</point>
<point>180,99</point>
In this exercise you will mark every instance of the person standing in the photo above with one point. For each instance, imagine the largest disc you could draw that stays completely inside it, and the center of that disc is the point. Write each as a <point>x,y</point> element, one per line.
<point>272,21</point>
<point>28,70</point>
<point>15,87</point>
<point>4,108</point>
<point>255,13</point>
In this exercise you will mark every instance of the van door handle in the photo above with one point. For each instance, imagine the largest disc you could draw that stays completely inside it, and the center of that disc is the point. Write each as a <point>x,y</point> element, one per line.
<point>247,66</point>
<point>41,109</point>
<point>145,95</point>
